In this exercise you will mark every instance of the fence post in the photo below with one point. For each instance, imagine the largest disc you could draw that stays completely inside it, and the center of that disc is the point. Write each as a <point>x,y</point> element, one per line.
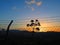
<point>8,29</point>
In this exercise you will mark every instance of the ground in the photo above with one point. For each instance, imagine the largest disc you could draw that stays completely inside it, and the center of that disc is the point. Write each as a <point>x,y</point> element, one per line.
<point>27,38</point>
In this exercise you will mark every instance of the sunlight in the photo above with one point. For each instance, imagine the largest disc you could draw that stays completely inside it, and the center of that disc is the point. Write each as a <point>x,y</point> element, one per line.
<point>43,28</point>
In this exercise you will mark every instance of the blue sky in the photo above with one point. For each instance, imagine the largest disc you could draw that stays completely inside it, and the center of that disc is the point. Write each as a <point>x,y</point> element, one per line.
<point>24,9</point>
<point>50,7</point>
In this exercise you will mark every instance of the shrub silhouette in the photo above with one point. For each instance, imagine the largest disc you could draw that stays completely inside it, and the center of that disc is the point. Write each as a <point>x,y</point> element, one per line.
<point>28,25</point>
<point>34,24</point>
<point>32,21</point>
<point>38,24</point>
<point>37,29</point>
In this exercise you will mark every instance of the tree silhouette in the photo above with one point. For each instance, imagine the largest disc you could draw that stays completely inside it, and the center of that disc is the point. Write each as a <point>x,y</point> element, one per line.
<point>28,25</point>
<point>34,24</point>
<point>37,24</point>
<point>37,29</point>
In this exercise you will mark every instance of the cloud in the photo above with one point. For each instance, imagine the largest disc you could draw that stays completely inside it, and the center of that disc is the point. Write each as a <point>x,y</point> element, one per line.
<point>32,8</point>
<point>39,3</point>
<point>31,3</point>
<point>15,8</point>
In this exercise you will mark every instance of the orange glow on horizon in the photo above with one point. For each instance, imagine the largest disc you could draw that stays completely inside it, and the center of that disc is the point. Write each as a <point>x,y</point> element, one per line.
<point>43,28</point>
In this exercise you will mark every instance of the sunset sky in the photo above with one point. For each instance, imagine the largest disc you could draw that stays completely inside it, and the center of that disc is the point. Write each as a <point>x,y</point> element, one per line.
<point>22,11</point>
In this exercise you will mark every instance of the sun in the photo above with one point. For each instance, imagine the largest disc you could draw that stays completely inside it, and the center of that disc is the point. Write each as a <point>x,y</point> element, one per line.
<point>40,29</point>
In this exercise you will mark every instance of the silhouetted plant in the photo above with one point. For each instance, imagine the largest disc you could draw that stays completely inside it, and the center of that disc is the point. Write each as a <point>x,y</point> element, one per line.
<point>32,21</point>
<point>28,25</point>
<point>38,24</point>
<point>37,29</point>
<point>34,24</point>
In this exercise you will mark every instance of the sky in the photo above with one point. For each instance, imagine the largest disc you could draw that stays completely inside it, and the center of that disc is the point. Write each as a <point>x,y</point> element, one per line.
<point>22,11</point>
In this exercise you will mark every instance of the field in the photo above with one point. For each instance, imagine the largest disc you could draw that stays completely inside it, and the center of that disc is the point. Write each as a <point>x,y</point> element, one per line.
<point>28,38</point>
